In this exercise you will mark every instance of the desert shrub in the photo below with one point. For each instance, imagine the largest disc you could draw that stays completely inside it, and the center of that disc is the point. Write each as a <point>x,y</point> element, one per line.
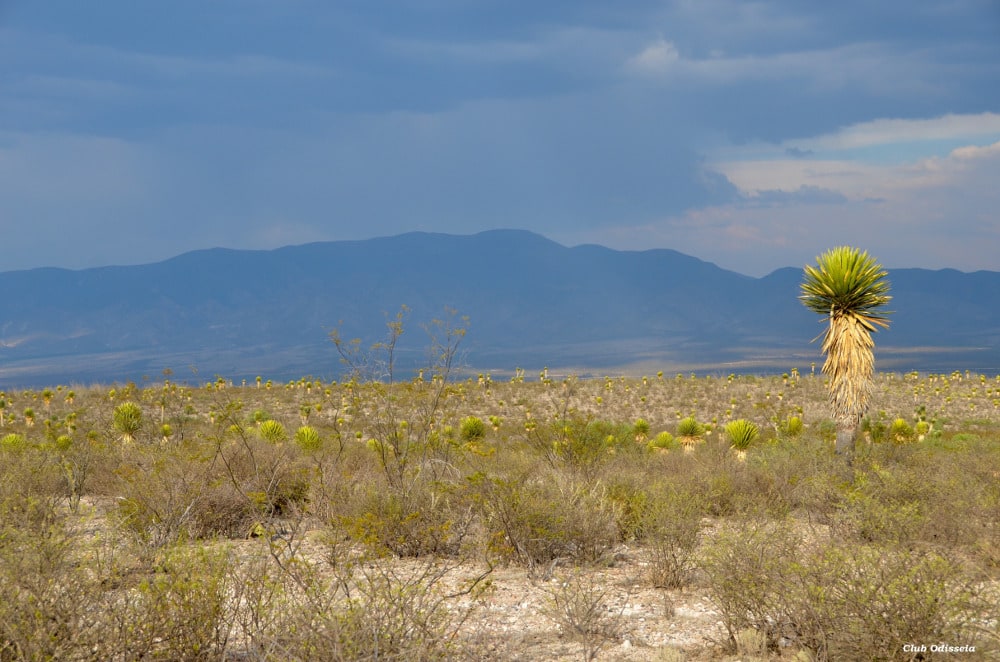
<point>203,488</point>
<point>46,595</point>
<point>424,518</point>
<point>630,501</point>
<point>862,602</point>
<point>671,525</point>
<point>472,428</point>
<point>582,444</point>
<point>178,610</point>
<point>841,600</point>
<point>159,494</point>
<point>745,567</point>
<point>581,606</point>
<point>32,489</point>
<point>369,610</point>
<point>799,476</point>
<point>537,519</point>
<point>869,519</point>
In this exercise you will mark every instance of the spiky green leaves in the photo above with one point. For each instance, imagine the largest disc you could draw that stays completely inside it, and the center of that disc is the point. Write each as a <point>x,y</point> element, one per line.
<point>741,433</point>
<point>308,439</point>
<point>13,443</point>
<point>847,281</point>
<point>272,431</point>
<point>127,420</point>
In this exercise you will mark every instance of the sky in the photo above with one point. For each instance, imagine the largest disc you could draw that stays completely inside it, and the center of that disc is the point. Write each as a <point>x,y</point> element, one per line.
<point>755,135</point>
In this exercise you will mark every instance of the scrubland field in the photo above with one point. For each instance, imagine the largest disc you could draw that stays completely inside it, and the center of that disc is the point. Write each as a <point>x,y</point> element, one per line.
<point>539,518</point>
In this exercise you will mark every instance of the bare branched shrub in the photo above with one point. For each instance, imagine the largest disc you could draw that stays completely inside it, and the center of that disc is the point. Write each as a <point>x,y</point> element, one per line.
<point>671,527</point>
<point>841,601</point>
<point>372,609</point>
<point>540,519</point>
<point>581,606</point>
<point>46,596</point>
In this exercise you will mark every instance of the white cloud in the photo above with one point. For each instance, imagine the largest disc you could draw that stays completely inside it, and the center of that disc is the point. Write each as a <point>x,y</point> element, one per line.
<point>657,58</point>
<point>936,212</point>
<point>889,131</point>
<point>853,179</point>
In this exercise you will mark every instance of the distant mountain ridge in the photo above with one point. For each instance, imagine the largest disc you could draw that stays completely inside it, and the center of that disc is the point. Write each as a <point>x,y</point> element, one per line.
<point>531,302</point>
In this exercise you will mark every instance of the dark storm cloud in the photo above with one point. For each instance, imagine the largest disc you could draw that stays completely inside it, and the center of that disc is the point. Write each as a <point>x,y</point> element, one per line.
<point>130,132</point>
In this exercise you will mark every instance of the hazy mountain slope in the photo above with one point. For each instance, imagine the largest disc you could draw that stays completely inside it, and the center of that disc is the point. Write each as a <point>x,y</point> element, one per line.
<point>530,302</point>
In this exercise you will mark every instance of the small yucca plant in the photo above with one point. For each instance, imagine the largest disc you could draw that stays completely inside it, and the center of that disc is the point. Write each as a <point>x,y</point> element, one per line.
<point>742,433</point>
<point>792,426</point>
<point>272,431</point>
<point>641,429</point>
<point>472,428</point>
<point>13,443</point>
<point>689,430</point>
<point>127,420</point>
<point>900,431</point>
<point>663,441</point>
<point>307,438</point>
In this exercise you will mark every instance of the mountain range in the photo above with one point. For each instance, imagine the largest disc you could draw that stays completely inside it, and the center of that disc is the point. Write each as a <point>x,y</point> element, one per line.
<point>530,303</point>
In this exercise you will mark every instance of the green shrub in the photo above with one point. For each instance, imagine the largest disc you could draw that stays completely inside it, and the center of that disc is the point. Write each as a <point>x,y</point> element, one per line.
<point>545,517</point>
<point>424,518</point>
<point>180,611</point>
<point>47,596</point>
<point>671,526</point>
<point>901,432</point>
<point>13,443</point>
<point>746,567</point>
<point>840,601</point>
<point>792,426</point>
<point>472,429</point>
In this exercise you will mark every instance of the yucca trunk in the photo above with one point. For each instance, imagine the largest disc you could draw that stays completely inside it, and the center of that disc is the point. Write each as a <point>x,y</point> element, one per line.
<point>850,367</point>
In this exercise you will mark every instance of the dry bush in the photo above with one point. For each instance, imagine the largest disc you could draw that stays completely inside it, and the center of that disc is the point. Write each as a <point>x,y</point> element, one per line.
<point>547,516</point>
<point>368,609</point>
<point>205,487</point>
<point>580,605</point>
<point>843,600</point>
<point>177,609</point>
<point>425,517</point>
<point>671,525</point>
<point>46,596</point>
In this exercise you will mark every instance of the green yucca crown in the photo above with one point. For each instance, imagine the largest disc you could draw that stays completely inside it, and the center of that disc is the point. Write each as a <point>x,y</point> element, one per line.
<point>847,281</point>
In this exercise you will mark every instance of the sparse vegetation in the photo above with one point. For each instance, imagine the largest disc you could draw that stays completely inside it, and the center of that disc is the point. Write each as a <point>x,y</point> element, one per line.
<point>230,529</point>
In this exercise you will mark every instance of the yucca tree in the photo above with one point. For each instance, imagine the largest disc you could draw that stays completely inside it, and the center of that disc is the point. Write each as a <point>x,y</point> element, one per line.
<point>849,289</point>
